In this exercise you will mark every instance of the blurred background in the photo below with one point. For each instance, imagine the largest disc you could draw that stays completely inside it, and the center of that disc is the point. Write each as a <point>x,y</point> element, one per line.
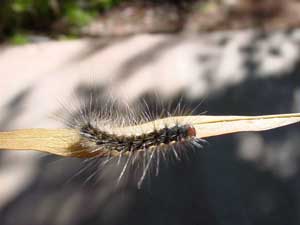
<point>235,57</point>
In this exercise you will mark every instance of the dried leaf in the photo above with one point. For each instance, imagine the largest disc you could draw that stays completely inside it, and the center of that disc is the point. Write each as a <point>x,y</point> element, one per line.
<point>65,142</point>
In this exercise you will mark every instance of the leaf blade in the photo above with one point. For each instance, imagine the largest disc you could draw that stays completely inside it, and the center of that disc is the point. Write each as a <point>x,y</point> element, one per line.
<point>66,142</point>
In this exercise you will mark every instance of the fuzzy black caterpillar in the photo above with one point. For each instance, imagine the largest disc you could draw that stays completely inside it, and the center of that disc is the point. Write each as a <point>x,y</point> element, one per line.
<point>162,137</point>
<point>117,132</point>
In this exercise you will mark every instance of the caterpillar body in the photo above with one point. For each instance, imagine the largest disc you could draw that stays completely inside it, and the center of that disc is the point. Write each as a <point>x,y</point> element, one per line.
<point>141,142</point>
<point>117,132</point>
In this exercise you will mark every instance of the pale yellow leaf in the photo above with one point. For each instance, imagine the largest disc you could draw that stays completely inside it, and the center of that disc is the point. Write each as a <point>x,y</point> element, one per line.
<point>66,142</point>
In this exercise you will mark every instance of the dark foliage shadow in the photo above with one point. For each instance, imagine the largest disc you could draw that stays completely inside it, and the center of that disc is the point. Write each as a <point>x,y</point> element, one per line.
<point>213,186</point>
<point>14,108</point>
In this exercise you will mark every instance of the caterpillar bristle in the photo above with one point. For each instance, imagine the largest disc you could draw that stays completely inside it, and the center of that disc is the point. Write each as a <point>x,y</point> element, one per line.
<point>112,131</point>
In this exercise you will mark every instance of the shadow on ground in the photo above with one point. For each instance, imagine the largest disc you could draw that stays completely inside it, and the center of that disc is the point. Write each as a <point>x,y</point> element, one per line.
<point>217,185</point>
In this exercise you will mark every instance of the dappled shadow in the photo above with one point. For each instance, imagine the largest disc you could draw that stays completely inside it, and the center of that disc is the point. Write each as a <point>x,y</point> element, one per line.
<point>143,58</point>
<point>240,190</point>
<point>14,108</point>
<point>213,186</point>
<point>220,184</point>
<point>95,45</point>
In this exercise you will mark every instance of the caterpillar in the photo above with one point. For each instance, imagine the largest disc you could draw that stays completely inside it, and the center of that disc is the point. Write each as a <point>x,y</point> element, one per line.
<point>103,129</point>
